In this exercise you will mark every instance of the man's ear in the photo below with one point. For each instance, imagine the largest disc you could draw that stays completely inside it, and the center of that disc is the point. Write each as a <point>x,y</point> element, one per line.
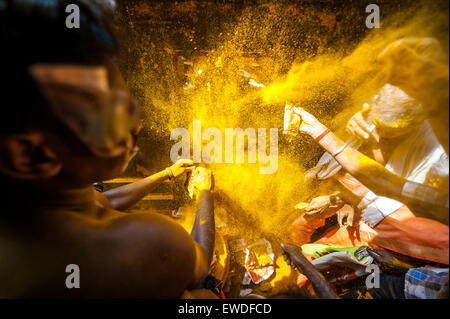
<point>28,156</point>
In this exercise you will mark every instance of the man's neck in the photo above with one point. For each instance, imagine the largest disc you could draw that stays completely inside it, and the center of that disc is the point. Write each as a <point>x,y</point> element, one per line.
<point>73,199</point>
<point>76,199</point>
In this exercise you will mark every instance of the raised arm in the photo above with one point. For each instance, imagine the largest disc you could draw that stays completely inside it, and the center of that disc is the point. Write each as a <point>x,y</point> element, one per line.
<point>423,200</point>
<point>124,197</point>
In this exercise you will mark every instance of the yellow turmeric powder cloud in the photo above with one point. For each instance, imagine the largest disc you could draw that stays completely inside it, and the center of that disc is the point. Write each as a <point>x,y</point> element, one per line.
<point>253,65</point>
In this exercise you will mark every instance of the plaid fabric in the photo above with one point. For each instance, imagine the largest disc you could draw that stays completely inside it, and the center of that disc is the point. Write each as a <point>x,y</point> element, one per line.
<point>426,283</point>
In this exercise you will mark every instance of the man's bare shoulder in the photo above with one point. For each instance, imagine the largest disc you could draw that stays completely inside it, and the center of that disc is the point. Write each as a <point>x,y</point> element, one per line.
<point>139,255</point>
<point>126,255</point>
<point>148,252</point>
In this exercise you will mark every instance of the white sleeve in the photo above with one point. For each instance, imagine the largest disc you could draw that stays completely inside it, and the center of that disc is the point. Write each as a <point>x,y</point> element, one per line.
<point>375,208</point>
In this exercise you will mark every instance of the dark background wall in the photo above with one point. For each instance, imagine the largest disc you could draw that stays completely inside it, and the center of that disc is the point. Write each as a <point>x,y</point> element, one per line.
<point>161,41</point>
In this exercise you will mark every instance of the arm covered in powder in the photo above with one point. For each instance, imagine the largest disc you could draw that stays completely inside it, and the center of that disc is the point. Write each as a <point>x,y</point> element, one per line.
<point>423,200</point>
<point>124,197</point>
<point>321,287</point>
<point>203,231</point>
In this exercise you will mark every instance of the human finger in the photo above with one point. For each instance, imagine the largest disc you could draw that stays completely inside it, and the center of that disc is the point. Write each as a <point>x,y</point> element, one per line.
<point>340,218</point>
<point>186,162</point>
<point>350,219</point>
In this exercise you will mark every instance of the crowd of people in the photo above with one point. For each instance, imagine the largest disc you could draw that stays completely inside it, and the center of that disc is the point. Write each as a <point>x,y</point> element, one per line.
<point>70,123</point>
<point>392,175</point>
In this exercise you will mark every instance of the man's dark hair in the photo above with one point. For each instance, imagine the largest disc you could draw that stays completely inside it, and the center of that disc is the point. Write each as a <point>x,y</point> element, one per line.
<point>35,31</point>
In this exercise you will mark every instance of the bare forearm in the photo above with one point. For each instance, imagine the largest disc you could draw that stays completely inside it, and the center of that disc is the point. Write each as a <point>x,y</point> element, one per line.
<point>203,231</point>
<point>352,191</point>
<point>322,289</point>
<point>418,197</point>
<point>124,197</point>
<point>369,172</point>
<point>385,183</point>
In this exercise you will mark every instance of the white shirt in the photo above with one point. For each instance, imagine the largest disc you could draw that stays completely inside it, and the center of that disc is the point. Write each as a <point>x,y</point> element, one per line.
<point>420,158</point>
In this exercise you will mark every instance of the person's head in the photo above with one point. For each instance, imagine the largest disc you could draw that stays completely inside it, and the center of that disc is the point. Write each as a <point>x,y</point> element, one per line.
<point>394,113</point>
<point>66,113</point>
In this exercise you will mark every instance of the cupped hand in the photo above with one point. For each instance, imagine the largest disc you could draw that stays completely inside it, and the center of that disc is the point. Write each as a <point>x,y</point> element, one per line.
<point>358,125</point>
<point>346,216</point>
<point>182,166</point>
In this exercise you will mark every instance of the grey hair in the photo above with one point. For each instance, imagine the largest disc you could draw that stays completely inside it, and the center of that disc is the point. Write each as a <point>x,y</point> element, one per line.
<point>391,107</point>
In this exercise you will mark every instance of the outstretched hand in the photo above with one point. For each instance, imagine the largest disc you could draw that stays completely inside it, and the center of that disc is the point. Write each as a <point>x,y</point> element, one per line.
<point>309,124</point>
<point>296,119</point>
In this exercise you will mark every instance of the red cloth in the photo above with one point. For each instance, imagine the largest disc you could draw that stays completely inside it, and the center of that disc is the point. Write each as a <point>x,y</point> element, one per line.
<point>401,232</point>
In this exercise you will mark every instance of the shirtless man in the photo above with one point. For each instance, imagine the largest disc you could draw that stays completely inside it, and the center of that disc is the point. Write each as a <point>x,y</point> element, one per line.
<point>67,124</point>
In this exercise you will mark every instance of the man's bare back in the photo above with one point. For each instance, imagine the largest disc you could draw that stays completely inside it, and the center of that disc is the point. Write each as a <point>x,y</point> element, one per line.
<point>141,255</point>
